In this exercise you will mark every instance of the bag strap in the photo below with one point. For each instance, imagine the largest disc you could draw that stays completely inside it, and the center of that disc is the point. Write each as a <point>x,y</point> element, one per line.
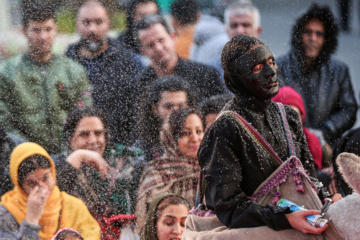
<point>258,138</point>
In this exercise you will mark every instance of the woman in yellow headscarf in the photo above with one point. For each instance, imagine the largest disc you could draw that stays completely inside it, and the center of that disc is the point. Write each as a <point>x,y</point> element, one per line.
<point>35,208</point>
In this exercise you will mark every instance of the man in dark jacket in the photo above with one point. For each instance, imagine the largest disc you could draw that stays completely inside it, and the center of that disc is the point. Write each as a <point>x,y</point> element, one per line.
<point>157,43</point>
<point>111,69</point>
<point>322,81</point>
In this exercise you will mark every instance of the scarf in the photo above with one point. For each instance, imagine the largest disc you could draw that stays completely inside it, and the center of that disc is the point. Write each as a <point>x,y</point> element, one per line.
<point>60,211</point>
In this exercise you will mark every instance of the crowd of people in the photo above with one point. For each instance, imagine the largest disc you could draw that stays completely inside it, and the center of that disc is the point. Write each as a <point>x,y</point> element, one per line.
<point>174,112</point>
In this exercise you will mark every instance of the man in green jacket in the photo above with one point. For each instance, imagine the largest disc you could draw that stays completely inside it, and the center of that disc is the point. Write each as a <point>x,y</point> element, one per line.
<point>38,88</point>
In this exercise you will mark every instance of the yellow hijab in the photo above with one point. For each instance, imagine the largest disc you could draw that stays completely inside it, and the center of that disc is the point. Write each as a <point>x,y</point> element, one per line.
<point>74,213</point>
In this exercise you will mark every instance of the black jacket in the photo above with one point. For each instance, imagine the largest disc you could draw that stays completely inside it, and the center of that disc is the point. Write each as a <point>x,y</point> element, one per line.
<point>112,77</point>
<point>205,80</point>
<point>325,87</point>
<point>234,165</point>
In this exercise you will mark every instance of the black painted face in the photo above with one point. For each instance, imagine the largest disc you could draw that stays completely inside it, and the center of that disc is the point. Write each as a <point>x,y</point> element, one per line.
<point>256,72</point>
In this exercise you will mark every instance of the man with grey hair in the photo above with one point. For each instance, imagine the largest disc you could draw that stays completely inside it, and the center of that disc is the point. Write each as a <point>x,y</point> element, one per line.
<point>239,18</point>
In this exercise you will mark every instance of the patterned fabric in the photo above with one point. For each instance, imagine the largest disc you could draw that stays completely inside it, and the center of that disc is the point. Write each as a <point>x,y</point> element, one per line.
<point>173,173</point>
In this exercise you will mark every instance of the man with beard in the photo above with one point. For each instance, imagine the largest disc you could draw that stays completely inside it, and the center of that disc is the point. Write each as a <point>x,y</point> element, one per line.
<point>38,88</point>
<point>110,67</point>
<point>234,164</point>
<point>322,81</point>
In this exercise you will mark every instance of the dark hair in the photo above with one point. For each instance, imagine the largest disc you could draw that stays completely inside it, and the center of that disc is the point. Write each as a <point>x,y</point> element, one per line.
<point>324,14</point>
<point>214,104</point>
<point>37,12</point>
<point>66,233</point>
<point>170,200</point>
<point>131,10</point>
<point>30,165</point>
<point>149,21</point>
<point>177,121</point>
<point>75,116</point>
<point>184,11</point>
<point>86,2</point>
<point>148,124</point>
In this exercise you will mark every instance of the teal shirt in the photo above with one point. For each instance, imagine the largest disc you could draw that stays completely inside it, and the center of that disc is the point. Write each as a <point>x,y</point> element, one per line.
<point>35,98</point>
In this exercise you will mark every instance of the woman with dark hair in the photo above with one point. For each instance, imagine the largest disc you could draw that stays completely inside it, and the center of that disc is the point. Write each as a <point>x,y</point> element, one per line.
<point>177,171</point>
<point>91,168</point>
<point>166,218</point>
<point>67,234</point>
<point>35,208</point>
<point>136,10</point>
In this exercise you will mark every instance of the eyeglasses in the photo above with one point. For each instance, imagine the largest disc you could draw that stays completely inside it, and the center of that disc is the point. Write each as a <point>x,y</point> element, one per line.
<point>310,32</point>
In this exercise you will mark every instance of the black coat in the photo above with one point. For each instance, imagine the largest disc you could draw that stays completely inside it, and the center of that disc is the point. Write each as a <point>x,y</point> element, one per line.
<point>234,165</point>
<point>327,92</point>
<point>205,80</point>
<point>112,78</point>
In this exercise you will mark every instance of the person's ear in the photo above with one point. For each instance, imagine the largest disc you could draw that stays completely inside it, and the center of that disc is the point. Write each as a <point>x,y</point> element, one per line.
<point>154,109</point>
<point>259,31</point>
<point>23,30</point>
<point>173,36</point>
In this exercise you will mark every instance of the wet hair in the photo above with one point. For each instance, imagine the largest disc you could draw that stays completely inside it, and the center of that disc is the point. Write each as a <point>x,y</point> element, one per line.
<point>37,12</point>
<point>148,124</point>
<point>149,21</point>
<point>30,165</point>
<point>240,9</point>
<point>324,14</point>
<point>66,233</point>
<point>177,121</point>
<point>214,104</point>
<point>184,11</point>
<point>170,200</point>
<point>75,116</point>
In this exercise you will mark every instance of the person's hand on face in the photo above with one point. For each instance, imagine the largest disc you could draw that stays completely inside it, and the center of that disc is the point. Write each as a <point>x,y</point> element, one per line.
<point>37,199</point>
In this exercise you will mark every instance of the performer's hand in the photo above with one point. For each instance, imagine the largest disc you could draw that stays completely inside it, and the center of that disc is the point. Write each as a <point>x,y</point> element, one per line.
<point>297,220</point>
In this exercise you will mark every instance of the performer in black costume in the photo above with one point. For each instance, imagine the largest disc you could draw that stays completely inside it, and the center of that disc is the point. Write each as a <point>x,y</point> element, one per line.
<point>233,164</point>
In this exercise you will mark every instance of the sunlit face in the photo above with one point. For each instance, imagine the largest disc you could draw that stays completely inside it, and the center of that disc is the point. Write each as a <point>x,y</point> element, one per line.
<point>169,102</point>
<point>40,36</point>
<point>144,9</point>
<point>69,237</point>
<point>313,37</point>
<point>257,73</point>
<point>192,134</point>
<point>89,134</point>
<point>242,24</point>
<point>93,23</point>
<point>157,44</point>
<point>171,223</point>
<point>41,177</point>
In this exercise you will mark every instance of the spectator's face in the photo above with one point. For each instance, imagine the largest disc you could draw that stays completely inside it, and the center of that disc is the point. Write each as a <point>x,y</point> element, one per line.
<point>169,102</point>
<point>89,134</point>
<point>171,223</point>
<point>144,9</point>
<point>192,134</point>
<point>93,23</point>
<point>157,44</point>
<point>257,72</point>
<point>242,24</point>
<point>313,37</point>
<point>41,178</point>
<point>41,36</point>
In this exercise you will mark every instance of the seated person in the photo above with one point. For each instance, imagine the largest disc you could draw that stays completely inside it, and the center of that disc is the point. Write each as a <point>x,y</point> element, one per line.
<point>35,208</point>
<point>211,107</point>
<point>67,234</point>
<point>177,171</point>
<point>90,168</point>
<point>169,212</point>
